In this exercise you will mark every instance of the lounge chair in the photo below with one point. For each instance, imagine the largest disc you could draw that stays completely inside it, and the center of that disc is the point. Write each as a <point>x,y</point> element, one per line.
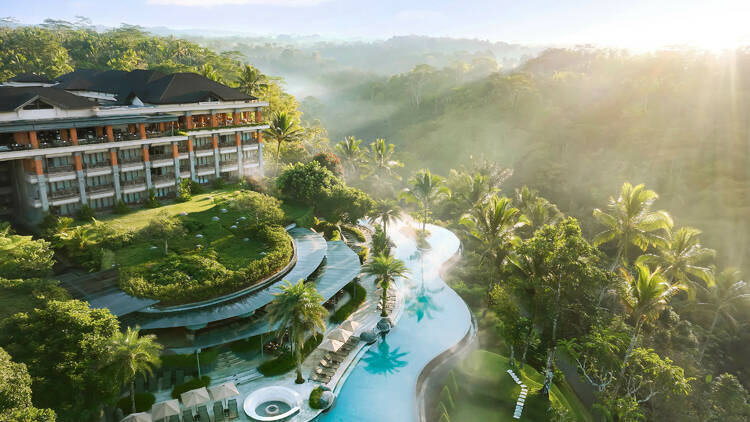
<point>325,363</point>
<point>218,412</point>
<point>187,416</point>
<point>203,414</point>
<point>233,414</point>
<point>174,418</point>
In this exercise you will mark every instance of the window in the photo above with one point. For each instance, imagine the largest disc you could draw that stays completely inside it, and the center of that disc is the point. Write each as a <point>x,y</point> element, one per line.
<point>37,105</point>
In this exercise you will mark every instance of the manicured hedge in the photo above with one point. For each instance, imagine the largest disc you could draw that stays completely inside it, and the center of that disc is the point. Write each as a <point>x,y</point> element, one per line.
<point>199,276</point>
<point>194,383</point>
<point>358,295</point>
<point>143,402</point>
<point>286,362</point>
<point>315,397</point>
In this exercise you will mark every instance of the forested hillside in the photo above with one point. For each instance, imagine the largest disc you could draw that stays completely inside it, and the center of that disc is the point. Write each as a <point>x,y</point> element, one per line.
<point>575,124</point>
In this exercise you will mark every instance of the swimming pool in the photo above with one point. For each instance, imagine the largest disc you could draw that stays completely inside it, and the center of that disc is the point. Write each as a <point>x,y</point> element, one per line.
<point>382,385</point>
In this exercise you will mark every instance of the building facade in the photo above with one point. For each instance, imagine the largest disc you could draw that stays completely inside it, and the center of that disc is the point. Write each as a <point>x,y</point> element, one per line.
<point>97,138</point>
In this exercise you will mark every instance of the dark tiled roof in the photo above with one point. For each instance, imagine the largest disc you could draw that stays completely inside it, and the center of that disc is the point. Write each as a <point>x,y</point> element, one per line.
<point>12,98</point>
<point>150,86</point>
<point>30,78</point>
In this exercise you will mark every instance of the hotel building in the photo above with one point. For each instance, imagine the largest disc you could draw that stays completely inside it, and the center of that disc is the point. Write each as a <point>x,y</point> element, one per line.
<point>100,137</point>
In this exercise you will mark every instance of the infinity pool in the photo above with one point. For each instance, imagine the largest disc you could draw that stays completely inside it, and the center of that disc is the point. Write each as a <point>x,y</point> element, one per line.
<point>382,385</point>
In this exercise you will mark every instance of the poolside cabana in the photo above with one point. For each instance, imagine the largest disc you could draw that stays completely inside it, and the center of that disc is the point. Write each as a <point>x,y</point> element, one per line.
<point>137,417</point>
<point>165,409</point>
<point>331,345</point>
<point>340,335</point>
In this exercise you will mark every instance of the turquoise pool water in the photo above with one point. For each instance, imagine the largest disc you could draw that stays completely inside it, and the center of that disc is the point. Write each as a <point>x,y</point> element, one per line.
<point>382,385</point>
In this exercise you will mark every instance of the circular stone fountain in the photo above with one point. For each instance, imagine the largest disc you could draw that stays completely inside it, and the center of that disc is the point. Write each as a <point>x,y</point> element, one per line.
<point>272,404</point>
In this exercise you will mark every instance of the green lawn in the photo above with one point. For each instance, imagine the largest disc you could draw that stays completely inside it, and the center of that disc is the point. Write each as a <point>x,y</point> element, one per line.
<point>488,393</point>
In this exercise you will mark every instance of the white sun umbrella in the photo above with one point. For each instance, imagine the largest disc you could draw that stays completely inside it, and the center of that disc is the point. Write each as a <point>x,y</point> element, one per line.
<point>331,345</point>
<point>137,417</point>
<point>223,391</point>
<point>339,335</point>
<point>350,325</point>
<point>165,409</point>
<point>195,397</point>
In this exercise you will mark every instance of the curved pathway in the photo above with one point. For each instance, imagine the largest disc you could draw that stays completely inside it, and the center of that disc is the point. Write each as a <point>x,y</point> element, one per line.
<point>382,385</point>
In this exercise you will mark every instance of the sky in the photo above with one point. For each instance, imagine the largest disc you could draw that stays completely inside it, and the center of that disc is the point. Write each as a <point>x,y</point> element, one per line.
<point>637,24</point>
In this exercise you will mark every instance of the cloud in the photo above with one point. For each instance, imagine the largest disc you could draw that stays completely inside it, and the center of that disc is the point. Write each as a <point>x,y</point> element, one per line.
<point>212,3</point>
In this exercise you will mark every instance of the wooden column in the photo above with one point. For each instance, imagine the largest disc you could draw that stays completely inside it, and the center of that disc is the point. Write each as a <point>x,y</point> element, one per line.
<point>258,116</point>
<point>142,130</point>
<point>110,133</point>
<point>33,139</point>
<point>73,136</point>
<point>213,120</point>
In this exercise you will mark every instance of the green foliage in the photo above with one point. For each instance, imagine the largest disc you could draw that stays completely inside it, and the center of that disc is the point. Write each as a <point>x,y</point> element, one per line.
<point>314,400</point>
<point>218,183</point>
<point>385,269</point>
<point>286,361</point>
<point>152,202</point>
<point>134,355</point>
<point>28,414</point>
<point>305,183</point>
<point>23,295</point>
<point>32,50</point>
<point>85,213</point>
<point>335,236</point>
<point>15,390</point>
<point>381,243</point>
<point>358,296</point>
<point>65,348</point>
<point>194,383</point>
<point>22,256</point>
<point>143,403</point>
<point>184,190</point>
<point>363,253</point>
<point>263,210</point>
<point>344,203</point>
<point>121,207</point>
<point>331,162</point>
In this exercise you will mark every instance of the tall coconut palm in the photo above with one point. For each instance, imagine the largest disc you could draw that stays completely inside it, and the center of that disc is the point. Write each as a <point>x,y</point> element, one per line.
<point>469,189</point>
<point>720,297</point>
<point>252,81</point>
<point>494,224</point>
<point>386,211</point>
<point>351,154</point>
<point>630,221</point>
<point>208,71</point>
<point>297,310</point>
<point>134,355</point>
<point>425,188</point>
<point>649,295</point>
<point>385,269</point>
<point>283,129</point>
<point>538,210</point>
<point>681,256</point>
<point>380,161</point>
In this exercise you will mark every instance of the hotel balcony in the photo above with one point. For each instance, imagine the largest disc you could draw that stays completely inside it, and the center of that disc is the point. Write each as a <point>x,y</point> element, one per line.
<point>163,181</point>
<point>63,194</point>
<point>60,169</point>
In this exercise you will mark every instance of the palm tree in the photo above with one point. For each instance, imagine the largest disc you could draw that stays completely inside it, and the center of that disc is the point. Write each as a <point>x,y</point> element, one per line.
<point>381,243</point>
<point>425,188</point>
<point>134,355</point>
<point>297,310</point>
<point>283,128</point>
<point>469,189</point>
<point>649,295</point>
<point>720,297</point>
<point>350,153</point>
<point>385,268</point>
<point>386,211</point>
<point>681,256</point>
<point>252,80</point>
<point>380,160</point>
<point>494,224</point>
<point>208,71</point>
<point>630,221</point>
<point>538,210</point>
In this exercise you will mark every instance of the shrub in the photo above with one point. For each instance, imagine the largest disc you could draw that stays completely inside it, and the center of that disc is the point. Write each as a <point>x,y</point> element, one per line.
<point>195,187</point>
<point>265,209</point>
<point>194,383</point>
<point>121,207</point>
<point>218,183</point>
<point>286,362</point>
<point>255,185</point>
<point>143,402</point>
<point>356,232</point>
<point>344,203</point>
<point>184,190</point>
<point>85,213</point>
<point>152,202</point>
<point>363,253</point>
<point>305,183</point>
<point>358,295</point>
<point>22,256</point>
<point>315,397</point>
<point>330,161</point>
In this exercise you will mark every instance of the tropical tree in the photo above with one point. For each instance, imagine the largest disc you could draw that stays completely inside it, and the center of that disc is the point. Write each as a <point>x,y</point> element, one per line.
<point>252,81</point>
<point>283,129</point>
<point>385,269</point>
<point>380,160</point>
<point>630,221</point>
<point>680,256</point>
<point>133,355</point>
<point>539,211</point>
<point>208,71</point>
<point>721,296</point>
<point>297,310</point>
<point>164,226</point>
<point>425,189</point>
<point>381,243</point>
<point>351,154</point>
<point>469,189</point>
<point>494,224</point>
<point>386,211</point>
<point>649,295</point>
